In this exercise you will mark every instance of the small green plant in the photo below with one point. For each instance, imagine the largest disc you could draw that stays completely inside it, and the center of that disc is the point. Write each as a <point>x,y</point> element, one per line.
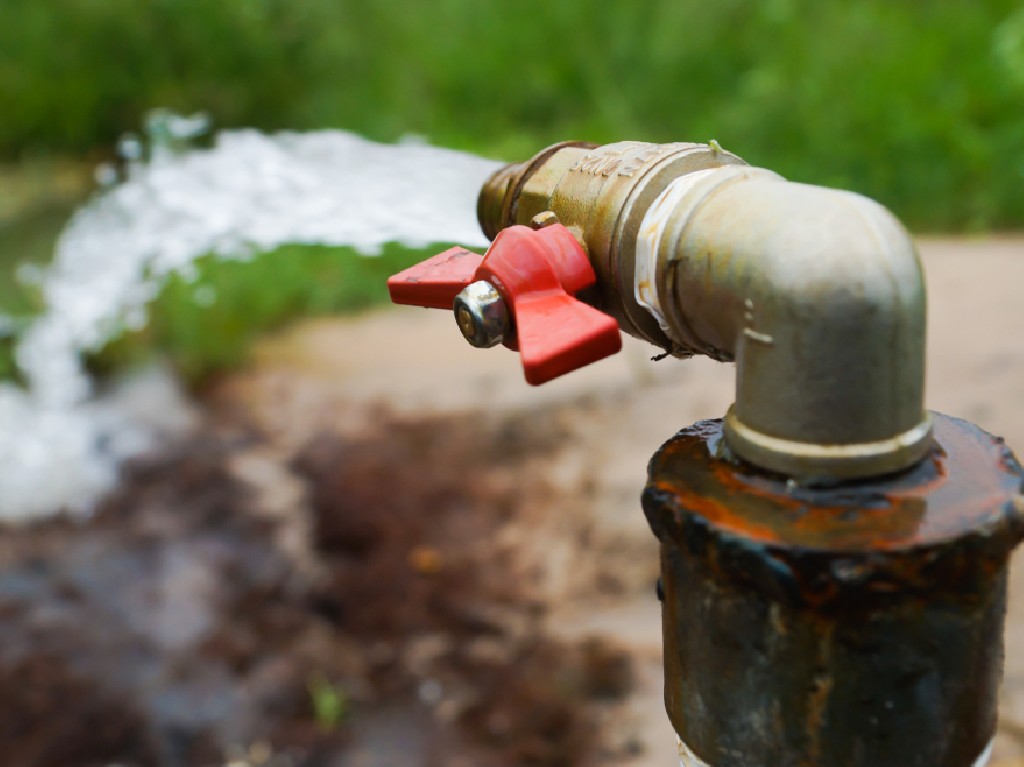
<point>330,704</point>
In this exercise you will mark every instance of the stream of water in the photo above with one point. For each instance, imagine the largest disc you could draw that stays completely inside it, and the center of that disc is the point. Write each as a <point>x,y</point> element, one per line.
<point>60,443</point>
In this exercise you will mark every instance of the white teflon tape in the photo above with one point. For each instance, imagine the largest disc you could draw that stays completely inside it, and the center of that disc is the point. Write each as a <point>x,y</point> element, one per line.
<point>651,228</point>
<point>689,759</point>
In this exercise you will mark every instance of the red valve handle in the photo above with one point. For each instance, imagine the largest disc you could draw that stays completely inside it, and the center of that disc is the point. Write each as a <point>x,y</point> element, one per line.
<point>536,272</point>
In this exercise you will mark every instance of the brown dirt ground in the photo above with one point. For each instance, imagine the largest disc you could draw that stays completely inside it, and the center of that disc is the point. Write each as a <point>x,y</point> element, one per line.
<point>381,522</point>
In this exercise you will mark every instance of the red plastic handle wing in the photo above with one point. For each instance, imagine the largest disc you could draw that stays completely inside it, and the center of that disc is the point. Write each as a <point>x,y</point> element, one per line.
<point>557,334</point>
<point>436,282</point>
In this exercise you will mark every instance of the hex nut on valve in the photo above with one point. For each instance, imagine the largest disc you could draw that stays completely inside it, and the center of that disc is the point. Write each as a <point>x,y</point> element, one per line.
<point>481,314</point>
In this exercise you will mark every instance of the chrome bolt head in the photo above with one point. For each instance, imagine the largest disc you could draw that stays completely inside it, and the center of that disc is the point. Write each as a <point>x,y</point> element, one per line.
<point>481,314</point>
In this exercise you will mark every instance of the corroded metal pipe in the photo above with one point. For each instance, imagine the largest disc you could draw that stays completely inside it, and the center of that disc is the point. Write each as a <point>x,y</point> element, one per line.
<point>816,294</point>
<point>853,626</point>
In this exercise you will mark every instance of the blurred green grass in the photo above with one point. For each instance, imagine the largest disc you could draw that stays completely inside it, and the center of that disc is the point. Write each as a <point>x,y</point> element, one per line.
<point>918,104</point>
<point>207,324</point>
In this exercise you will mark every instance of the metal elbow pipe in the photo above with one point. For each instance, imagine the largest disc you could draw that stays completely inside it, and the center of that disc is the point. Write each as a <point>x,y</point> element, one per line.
<point>816,294</point>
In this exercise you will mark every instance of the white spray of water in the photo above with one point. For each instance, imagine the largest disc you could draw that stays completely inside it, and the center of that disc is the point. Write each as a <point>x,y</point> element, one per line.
<point>59,446</point>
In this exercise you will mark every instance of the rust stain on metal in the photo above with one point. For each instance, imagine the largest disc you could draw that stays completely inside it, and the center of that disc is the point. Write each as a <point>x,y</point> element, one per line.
<point>953,491</point>
<point>818,697</point>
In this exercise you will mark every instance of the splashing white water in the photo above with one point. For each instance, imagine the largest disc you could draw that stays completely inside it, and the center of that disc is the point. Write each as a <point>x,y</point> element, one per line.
<point>59,447</point>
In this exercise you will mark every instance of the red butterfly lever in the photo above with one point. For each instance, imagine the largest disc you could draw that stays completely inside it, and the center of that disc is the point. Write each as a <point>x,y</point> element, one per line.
<point>521,293</point>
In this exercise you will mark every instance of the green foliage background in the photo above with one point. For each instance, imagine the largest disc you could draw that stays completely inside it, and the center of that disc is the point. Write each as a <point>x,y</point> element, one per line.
<point>918,103</point>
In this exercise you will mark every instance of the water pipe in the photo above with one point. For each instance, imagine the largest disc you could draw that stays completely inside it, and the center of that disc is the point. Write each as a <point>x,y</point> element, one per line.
<point>833,556</point>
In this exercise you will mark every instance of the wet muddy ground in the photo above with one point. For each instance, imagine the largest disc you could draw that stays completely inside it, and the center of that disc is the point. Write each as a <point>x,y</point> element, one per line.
<point>378,547</point>
<point>383,619</point>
